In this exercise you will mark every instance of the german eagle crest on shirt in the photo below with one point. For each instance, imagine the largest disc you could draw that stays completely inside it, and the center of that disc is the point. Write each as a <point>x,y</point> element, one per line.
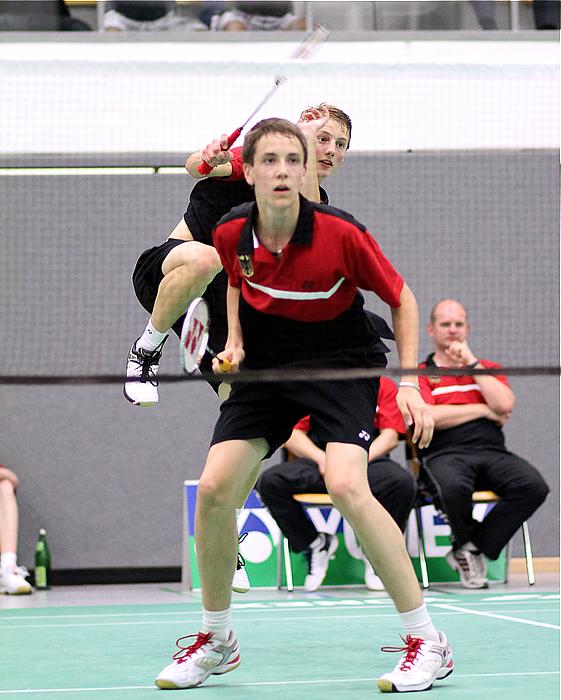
<point>246,266</point>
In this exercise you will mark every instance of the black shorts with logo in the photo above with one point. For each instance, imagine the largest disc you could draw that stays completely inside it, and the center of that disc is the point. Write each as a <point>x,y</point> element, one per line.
<point>343,411</point>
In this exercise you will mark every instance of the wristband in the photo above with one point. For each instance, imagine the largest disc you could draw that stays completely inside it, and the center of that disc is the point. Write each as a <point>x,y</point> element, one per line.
<point>473,365</point>
<point>410,385</point>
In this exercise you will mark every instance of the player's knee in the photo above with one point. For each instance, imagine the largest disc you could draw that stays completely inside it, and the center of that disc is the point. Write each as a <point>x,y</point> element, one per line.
<point>213,493</point>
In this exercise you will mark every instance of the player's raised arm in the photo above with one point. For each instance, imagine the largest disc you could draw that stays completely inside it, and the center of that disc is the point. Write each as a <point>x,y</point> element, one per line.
<point>216,154</point>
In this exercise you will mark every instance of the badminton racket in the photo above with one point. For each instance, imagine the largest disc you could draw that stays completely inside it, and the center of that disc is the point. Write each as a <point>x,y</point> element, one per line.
<point>194,338</point>
<point>304,51</point>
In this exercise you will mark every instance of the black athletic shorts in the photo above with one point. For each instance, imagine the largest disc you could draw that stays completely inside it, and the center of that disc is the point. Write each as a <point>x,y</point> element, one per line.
<point>148,274</point>
<point>343,411</point>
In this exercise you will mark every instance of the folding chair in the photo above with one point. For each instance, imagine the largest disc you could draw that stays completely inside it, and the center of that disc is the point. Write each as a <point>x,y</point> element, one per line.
<point>424,498</point>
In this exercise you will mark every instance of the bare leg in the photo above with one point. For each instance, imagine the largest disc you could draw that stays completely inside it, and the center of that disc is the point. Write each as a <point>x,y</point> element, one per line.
<point>249,484</point>
<point>188,269</point>
<point>380,538</point>
<point>221,487</point>
<point>8,517</point>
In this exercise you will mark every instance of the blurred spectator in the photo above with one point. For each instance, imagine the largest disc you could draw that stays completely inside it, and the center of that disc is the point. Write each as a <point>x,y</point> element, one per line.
<point>12,576</point>
<point>257,16</point>
<point>485,13</point>
<point>148,16</point>
<point>39,16</point>
<point>546,14</point>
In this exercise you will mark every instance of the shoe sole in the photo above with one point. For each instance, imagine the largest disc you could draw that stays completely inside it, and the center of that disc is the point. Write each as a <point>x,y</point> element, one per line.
<point>170,685</point>
<point>386,686</point>
<point>237,589</point>
<point>138,403</point>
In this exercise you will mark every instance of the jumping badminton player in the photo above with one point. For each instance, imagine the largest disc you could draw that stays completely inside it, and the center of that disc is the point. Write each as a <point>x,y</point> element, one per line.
<point>168,276</point>
<point>294,267</point>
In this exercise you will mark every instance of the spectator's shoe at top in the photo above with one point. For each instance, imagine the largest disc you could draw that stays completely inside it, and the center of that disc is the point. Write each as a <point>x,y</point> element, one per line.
<point>240,583</point>
<point>141,385</point>
<point>318,560</point>
<point>423,662</point>
<point>205,657</point>
<point>471,565</point>
<point>12,581</point>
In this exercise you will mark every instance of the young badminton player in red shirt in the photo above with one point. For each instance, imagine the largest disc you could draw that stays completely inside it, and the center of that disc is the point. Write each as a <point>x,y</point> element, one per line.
<point>294,267</point>
<point>168,276</point>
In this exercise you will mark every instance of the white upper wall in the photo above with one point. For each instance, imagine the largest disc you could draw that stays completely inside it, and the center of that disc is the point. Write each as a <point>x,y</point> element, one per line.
<point>73,98</point>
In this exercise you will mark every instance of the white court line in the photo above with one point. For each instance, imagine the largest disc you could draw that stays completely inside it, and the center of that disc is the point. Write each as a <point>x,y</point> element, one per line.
<point>260,607</point>
<point>367,615</point>
<point>497,616</point>
<point>270,683</point>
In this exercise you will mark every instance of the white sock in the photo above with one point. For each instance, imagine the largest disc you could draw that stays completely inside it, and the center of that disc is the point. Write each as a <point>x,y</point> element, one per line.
<point>151,338</point>
<point>418,624</point>
<point>219,622</point>
<point>8,561</point>
<point>316,544</point>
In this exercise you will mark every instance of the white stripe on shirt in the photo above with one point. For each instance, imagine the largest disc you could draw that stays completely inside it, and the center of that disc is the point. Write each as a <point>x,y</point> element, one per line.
<point>299,296</point>
<point>455,387</point>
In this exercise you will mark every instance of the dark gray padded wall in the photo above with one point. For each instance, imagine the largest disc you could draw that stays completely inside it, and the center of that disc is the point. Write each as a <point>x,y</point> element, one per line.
<point>105,477</point>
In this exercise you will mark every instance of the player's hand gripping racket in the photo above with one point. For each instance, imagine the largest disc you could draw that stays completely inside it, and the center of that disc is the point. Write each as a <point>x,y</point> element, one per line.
<point>304,51</point>
<point>194,338</point>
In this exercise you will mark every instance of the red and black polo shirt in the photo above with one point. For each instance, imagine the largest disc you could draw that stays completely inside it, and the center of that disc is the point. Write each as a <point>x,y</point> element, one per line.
<point>458,390</point>
<point>306,296</point>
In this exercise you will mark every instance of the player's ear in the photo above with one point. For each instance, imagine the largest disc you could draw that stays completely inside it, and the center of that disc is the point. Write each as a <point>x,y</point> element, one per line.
<point>247,170</point>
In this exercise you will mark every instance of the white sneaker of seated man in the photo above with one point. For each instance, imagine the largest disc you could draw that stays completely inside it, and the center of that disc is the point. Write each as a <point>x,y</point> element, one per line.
<point>12,581</point>
<point>371,580</point>
<point>319,554</point>
<point>423,662</point>
<point>470,564</point>
<point>204,657</point>
<point>240,582</point>
<point>141,385</point>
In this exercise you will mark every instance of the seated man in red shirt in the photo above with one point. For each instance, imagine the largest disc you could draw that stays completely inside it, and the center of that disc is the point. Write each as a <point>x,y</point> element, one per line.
<point>390,484</point>
<point>468,451</point>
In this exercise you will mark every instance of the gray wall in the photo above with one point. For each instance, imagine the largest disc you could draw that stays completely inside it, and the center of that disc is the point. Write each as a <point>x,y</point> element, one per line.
<point>104,477</point>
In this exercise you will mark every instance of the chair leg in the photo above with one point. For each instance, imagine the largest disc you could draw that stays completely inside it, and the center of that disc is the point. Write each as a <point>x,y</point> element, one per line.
<point>279,561</point>
<point>422,553</point>
<point>528,553</point>
<point>287,565</point>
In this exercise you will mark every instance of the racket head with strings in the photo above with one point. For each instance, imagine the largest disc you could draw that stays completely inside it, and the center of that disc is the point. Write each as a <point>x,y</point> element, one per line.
<point>194,335</point>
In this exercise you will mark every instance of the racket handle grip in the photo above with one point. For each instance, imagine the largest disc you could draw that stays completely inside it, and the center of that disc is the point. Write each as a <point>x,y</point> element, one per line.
<point>225,365</point>
<point>204,168</point>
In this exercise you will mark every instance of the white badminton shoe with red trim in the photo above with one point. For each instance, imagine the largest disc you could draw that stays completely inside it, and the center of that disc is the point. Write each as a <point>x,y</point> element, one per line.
<point>423,663</point>
<point>205,657</point>
<point>141,385</point>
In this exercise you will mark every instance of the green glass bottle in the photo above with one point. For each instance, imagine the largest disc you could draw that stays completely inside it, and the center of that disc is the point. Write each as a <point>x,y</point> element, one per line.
<point>42,562</point>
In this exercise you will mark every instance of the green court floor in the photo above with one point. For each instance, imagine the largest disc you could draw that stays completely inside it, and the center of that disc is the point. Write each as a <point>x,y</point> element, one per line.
<point>328,647</point>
